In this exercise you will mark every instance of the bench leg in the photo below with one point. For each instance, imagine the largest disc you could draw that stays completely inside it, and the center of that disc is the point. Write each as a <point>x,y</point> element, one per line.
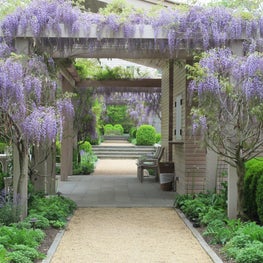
<point>140,173</point>
<point>157,174</point>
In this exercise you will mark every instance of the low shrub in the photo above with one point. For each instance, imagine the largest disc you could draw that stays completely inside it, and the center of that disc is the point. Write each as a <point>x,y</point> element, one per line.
<point>259,199</point>
<point>108,128</point>
<point>54,208</point>
<point>8,214</point>
<point>84,159</point>
<point>19,241</point>
<point>118,129</point>
<point>85,146</point>
<point>251,253</point>
<point>146,135</point>
<point>41,221</point>
<point>28,252</point>
<point>254,171</point>
<point>4,258</point>
<point>241,241</point>
<point>10,236</point>
<point>133,132</point>
<point>158,137</point>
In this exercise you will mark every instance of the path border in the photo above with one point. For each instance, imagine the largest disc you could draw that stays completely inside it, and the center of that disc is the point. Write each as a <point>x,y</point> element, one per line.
<point>198,236</point>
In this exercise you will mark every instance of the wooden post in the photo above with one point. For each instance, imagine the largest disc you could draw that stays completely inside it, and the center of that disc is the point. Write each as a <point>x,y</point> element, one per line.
<point>171,105</point>
<point>67,140</point>
<point>211,170</point>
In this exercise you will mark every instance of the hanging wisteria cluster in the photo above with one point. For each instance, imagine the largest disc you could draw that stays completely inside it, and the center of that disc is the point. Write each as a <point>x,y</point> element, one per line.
<point>230,95</point>
<point>28,106</point>
<point>195,28</point>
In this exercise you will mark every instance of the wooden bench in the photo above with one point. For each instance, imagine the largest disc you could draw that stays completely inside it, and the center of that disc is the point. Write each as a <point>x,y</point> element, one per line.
<point>147,162</point>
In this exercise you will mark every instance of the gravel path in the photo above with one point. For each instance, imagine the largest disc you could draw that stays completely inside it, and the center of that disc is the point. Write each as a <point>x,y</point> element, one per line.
<point>123,235</point>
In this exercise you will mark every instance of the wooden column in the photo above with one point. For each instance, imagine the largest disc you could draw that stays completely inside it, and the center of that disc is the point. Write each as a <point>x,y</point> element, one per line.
<point>67,140</point>
<point>171,105</point>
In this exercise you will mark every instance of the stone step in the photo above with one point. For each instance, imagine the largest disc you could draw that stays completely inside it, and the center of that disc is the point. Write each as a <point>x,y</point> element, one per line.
<point>121,152</point>
<point>116,137</point>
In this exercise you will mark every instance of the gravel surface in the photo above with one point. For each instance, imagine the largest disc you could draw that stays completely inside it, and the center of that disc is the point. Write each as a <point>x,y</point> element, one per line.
<point>128,235</point>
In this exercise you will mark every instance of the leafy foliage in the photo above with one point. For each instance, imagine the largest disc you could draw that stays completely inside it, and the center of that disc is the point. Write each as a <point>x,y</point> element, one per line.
<point>158,137</point>
<point>86,68</point>
<point>56,208</point>
<point>4,258</point>
<point>85,120</point>
<point>254,171</point>
<point>83,159</point>
<point>11,236</point>
<point>108,128</point>
<point>19,240</point>
<point>9,213</point>
<point>118,114</point>
<point>241,241</point>
<point>116,129</point>
<point>145,135</point>
<point>259,199</point>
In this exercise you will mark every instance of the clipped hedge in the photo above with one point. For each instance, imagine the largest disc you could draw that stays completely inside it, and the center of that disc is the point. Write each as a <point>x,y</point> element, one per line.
<point>254,171</point>
<point>146,135</point>
<point>259,199</point>
<point>133,132</point>
<point>158,137</point>
<point>116,129</point>
<point>108,128</point>
<point>85,146</point>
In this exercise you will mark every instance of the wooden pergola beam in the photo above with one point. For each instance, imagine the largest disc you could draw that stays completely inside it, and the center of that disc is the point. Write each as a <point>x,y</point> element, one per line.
<point>146,83</point>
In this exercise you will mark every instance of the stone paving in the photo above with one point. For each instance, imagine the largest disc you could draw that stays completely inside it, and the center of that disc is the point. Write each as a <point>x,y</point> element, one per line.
<point>115,184</point>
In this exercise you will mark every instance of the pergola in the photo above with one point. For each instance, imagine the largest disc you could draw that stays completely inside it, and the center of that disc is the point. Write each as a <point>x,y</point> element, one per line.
<point>150,48</point>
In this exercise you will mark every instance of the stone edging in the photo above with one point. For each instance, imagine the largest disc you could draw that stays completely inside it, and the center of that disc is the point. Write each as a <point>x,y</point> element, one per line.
<point>198,236</point>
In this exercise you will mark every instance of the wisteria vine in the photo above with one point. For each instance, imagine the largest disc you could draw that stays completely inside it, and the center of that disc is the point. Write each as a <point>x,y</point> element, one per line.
<point>198,27</point>
<point>229,110</point>
<point>28,105</point>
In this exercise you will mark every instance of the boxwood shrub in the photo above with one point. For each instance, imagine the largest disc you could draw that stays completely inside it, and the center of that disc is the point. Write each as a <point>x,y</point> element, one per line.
<point>108,128</point>
<point>118,128</point>
<point>254,171</point>
<point>158,137</point>
<point>259,199</point>
<point>146,135</point>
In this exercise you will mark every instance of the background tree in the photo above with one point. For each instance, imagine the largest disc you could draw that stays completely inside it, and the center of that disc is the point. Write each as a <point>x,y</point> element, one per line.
<point>228,93</point>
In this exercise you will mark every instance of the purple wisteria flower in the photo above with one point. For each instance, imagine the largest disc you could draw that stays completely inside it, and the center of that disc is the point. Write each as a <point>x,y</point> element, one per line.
<point>28,101</point>
<point>198,27</point>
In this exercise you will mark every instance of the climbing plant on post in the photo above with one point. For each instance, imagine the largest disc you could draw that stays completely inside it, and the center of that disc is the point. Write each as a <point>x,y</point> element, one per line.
<point>29,113</point>
<point>228,94</point>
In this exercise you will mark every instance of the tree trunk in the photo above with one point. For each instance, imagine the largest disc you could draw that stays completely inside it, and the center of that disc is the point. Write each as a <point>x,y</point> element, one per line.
<point>240,187</point>
<point>43,167</point>
<point>20,179</point>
